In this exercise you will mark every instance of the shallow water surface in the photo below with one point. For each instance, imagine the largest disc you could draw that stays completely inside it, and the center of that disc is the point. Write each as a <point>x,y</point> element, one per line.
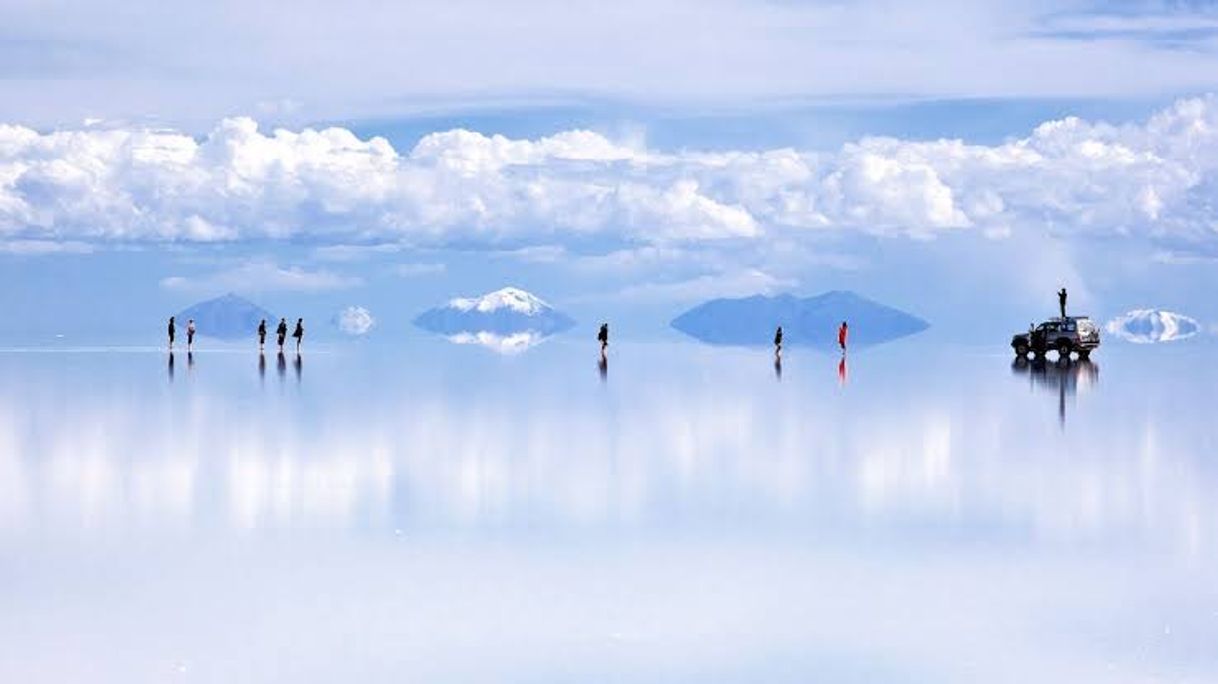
<point>435,512</point>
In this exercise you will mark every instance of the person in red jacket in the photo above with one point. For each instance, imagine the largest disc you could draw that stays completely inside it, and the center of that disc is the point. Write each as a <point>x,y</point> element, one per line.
<point>841,335</point>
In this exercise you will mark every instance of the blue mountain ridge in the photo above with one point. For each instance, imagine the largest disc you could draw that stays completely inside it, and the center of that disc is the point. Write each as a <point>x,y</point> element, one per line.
<point>808,321</point>
<point>226,317</point>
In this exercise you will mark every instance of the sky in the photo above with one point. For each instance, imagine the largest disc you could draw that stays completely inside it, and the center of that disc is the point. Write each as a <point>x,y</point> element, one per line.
<point>959,160</point>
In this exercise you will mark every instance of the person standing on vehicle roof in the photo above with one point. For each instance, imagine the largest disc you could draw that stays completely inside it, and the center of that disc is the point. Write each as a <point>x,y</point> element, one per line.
<point>1061,301</point>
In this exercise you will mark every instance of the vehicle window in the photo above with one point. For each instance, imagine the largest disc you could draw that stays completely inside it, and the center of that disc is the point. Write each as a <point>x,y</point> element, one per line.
<point>1070,327</point>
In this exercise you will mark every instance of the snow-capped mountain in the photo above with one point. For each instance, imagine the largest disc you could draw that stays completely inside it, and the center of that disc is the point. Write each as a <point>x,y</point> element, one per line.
<point>810,321</point>
<point>1148,326</point>
<point>505,312</point>
<point>510,298</point>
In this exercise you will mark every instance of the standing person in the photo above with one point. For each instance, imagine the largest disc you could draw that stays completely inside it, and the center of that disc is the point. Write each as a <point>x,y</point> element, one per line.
<point>172,330</point>
<point>778,341</point>
<point>190,335</point>
<point>603,337</point>
<point>1061,301</point>
<point>298,333</point>
<point>842,331</point>
<point>261,334</point>
<point>282,332</point>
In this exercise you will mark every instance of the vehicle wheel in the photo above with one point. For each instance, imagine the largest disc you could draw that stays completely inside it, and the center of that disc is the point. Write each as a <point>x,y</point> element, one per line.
<point>1021,350</point>
<point>1063,350</point>
<point>1084,354</point>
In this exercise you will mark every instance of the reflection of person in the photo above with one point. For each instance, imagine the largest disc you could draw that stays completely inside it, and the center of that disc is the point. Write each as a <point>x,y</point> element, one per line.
<point>261,366</point>
<point>172,330</point>
<point>778,341</point>
<point>842,371</point>
<point>281,365</point>
<point>778,366</point>
<point>603,366</point>
<point>842,332</point>
<point>282,332</point>
<point>603,337</point>
<point>190,334</point>
<point>298,333</point>
<point>297,365</point>
<point>1061,301</point>
<point>261,334</point>
<point>171,366</point>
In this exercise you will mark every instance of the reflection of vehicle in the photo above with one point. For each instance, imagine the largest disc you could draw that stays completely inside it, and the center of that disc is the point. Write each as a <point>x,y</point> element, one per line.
<point>1064,378</point>
<point>1066,335</point>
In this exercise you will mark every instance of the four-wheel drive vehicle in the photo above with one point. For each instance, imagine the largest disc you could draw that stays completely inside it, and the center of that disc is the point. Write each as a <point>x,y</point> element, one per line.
<point>1066,335</point>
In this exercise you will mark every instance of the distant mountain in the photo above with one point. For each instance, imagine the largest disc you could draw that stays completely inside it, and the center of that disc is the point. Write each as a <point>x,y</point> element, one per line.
<point>809,321</point>
<point>228,317</point>
<point>505,312</point>
<point>1149,326</point>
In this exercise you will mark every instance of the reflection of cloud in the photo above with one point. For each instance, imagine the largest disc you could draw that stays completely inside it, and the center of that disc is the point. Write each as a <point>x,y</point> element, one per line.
<point>1148,326</point>
<point>513,343</point>
<point>354,320</point>
<point>415,270</point>
<point>261,275</point>
<point>521,450</point>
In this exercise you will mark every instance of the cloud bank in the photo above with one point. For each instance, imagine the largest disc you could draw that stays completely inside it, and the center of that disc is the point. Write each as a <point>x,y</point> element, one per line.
<point>1157,179</point>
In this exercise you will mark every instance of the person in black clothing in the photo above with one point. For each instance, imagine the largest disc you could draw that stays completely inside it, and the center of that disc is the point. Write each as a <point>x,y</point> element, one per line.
<point>172,330</point>
<point>282,332</point>
<point>298,333</point>
<point>261,334</point>
<point>1061,301</point>
<point>778,341</point>
<point>603,337</point>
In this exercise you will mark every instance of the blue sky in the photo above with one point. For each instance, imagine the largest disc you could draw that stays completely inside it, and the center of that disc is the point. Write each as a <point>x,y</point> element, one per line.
<point>624,160</point>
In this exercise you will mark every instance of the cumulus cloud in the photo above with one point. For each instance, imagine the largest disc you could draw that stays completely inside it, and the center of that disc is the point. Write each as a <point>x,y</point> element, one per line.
<point>1157,179</point>
<point>354,320</point>
<point>259,275</point>
<point>1149,326</point>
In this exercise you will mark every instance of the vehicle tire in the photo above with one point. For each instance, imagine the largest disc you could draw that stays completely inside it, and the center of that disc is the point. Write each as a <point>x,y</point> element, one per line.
<point>1021,350</point>
<point>1063,350</point>
<point>1084,354</point>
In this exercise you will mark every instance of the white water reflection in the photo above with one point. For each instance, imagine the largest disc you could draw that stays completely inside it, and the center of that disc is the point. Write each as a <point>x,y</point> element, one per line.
<point>1020,506</point>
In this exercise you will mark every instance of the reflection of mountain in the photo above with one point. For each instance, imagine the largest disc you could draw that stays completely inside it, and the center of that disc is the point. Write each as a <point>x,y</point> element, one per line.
<point>502,344</point>
<point>505,312</point>
<point>811,321</point>
<point>226,317</point>
<point>1062,378</point>
<point>1148,326</point>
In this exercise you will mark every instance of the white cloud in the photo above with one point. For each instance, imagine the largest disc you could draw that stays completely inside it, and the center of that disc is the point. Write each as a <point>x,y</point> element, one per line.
<point>1158,179</point>
<point>354,320</point>
<point>259,275</point>
<point>416,270</point>
<point>40,247</point>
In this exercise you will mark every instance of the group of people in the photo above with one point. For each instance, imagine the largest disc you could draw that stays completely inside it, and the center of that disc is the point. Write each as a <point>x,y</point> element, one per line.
<point>843,332</point>
<point>281,333</point>
<point>190,333</point>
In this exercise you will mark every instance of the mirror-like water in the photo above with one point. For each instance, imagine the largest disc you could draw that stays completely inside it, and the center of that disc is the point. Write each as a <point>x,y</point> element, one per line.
<point>438,512</point>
